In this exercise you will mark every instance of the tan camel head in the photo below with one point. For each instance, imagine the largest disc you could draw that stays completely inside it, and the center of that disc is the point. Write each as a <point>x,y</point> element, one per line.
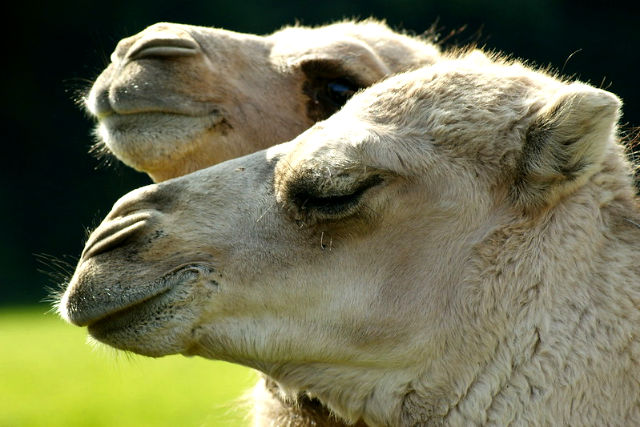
<point>424,255</point>
<point>178,98</point>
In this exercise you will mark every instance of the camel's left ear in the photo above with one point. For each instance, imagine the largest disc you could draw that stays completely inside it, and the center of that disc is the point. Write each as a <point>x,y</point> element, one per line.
<point>565,144</point>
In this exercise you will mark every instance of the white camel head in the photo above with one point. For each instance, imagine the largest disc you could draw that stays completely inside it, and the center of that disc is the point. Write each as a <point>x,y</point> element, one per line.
<point>457,244</point>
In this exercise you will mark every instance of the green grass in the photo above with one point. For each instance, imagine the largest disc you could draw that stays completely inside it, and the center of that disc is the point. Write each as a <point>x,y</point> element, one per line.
<point>50,376</point>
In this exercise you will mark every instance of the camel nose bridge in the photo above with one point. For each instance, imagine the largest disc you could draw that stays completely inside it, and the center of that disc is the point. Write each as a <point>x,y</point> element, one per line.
<point>222,49</point>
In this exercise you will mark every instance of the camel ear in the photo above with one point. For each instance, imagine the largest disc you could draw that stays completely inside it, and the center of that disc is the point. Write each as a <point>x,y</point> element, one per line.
<point>565,144</point>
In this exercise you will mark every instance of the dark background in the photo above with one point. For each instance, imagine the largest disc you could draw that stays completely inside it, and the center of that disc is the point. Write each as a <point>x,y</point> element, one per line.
<point>52,190</point>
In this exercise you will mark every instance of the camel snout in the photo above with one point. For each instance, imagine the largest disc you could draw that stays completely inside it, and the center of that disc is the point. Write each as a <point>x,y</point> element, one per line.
<point>102,287</point>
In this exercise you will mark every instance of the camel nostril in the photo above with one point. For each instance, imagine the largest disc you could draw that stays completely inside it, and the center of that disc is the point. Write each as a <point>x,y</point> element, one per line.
<point>114,233</point>
<point>163,47</point>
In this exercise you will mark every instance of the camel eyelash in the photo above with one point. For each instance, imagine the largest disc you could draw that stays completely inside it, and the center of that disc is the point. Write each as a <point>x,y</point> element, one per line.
<point>307,200</point>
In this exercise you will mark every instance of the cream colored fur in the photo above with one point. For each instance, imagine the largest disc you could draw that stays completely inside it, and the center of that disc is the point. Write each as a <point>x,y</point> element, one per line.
<point>458,245</point>
<point>178,98</point>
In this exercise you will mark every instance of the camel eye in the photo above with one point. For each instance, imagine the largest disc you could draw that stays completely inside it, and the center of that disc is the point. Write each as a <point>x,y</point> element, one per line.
<point>339,91</point>
<point>336,204</point>
<point>328,87</point>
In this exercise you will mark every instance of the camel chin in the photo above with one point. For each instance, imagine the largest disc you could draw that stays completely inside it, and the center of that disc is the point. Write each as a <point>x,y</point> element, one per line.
<point>163,144</point>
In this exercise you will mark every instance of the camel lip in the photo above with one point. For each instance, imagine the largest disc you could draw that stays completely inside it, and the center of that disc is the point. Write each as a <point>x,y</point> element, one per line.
<point>106,100</point>
<point>145,113</point>
<point>120,124</point>
<point>123,316</point>
<point>117,314</point>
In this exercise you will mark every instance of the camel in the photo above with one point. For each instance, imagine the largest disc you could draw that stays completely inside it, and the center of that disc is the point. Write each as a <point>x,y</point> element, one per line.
<point>457,245</point>
<point>178,98</point>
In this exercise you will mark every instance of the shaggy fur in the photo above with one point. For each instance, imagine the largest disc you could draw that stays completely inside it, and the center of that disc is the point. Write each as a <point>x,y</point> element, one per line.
<point>178,98</point>
<point>458,245</point>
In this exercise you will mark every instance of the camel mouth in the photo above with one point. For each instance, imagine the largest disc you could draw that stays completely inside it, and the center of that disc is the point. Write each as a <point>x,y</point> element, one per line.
<point>155,308</point>
<point>123,120</point>
<point>108,101</point>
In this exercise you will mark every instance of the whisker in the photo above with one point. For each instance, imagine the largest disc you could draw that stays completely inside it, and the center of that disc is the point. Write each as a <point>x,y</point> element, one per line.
<point>59,271</point>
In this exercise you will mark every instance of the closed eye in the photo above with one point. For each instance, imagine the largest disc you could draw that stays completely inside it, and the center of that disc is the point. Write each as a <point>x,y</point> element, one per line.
<point>331,205</point>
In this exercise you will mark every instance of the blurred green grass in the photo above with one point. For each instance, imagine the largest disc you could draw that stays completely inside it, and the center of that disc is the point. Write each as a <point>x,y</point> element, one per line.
<point>50,376</point>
